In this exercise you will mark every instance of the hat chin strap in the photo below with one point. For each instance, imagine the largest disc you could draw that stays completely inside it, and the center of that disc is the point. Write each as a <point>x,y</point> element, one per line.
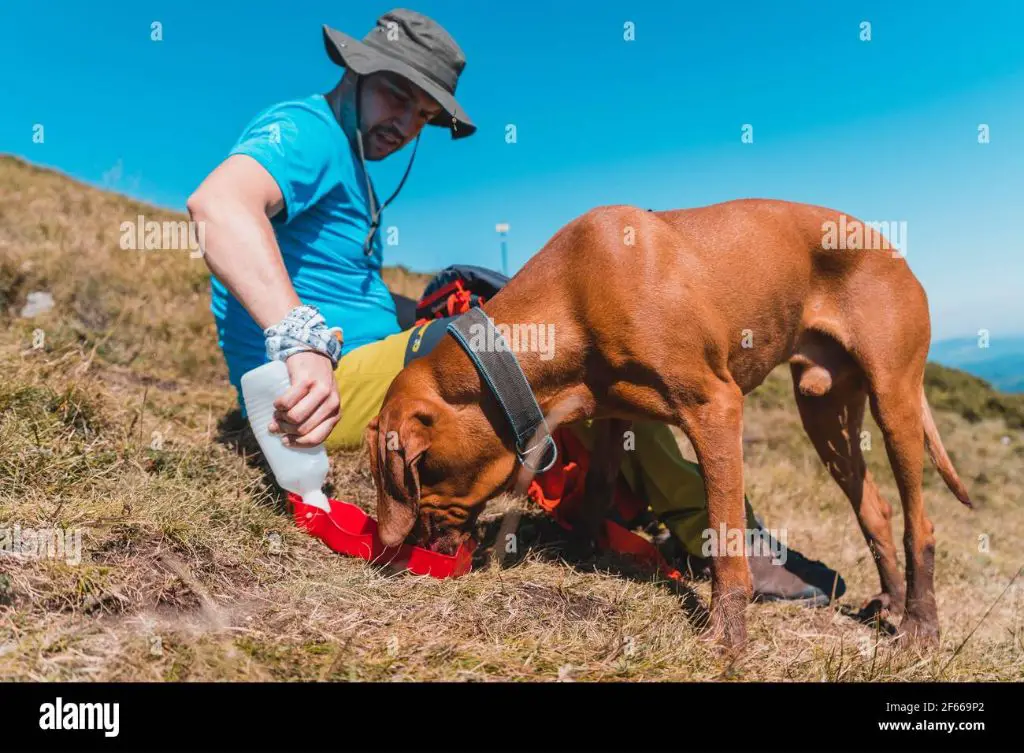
<point>375,213</point>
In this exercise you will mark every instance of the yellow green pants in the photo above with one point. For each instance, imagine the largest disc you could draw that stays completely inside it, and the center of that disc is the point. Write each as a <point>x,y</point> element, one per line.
<point>655,469</point>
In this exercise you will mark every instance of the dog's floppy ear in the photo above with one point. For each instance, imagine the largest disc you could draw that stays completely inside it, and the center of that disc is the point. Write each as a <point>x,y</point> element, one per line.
<point>400,444</point>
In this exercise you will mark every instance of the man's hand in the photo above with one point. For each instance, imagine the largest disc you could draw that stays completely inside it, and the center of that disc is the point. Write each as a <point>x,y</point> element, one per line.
<point>307,412</point>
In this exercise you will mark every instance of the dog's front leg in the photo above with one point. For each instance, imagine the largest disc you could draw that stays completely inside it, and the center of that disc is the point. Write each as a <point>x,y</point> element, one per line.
<point>715,428</point>
<point>599,485</point>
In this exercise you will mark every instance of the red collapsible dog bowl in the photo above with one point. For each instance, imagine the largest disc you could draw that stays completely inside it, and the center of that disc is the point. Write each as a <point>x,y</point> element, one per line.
<point>349,530</point>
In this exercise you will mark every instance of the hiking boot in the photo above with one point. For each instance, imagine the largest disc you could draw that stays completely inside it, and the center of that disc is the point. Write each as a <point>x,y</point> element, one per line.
<point>799,579</point>
<point>791,576</point>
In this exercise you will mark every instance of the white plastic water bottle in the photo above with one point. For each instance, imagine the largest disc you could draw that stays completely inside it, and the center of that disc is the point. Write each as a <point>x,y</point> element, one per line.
<point>301,470</point>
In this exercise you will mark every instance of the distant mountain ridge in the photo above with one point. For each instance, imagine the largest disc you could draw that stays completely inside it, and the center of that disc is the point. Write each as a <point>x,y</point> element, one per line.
<point>1001,363</point>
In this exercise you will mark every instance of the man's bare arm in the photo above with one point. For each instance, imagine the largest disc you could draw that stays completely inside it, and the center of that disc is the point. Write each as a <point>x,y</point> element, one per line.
<point>235,204</point>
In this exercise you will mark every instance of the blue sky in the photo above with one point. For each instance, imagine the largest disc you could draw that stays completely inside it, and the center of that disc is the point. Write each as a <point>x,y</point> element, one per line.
<point>885,130</point>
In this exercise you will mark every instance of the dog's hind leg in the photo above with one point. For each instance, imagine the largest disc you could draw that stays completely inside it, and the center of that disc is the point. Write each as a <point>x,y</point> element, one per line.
<point>715,428</point>
<point>833,420</point>
<point>896,406</point>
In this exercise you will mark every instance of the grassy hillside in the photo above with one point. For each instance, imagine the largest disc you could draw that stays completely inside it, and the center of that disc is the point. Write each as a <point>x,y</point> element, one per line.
<point>118,422</point>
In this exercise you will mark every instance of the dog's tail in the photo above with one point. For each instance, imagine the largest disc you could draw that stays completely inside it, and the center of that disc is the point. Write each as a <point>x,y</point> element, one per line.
<point>937,452</point>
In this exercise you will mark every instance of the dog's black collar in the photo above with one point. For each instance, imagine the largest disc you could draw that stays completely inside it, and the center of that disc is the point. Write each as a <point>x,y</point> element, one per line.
<point>500,369</point>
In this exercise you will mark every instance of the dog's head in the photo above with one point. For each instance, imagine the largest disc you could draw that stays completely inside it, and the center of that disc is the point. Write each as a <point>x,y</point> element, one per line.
<point>435,467</point>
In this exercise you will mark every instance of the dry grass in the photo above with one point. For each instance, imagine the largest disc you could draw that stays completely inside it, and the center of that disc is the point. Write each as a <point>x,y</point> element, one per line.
<point>122,427</point>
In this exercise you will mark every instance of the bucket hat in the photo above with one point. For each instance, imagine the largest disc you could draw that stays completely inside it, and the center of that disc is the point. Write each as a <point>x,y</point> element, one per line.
<point>414,47</point>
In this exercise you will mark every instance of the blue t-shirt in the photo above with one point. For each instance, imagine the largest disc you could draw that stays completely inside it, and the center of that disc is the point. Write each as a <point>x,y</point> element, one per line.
<point>320,232</point>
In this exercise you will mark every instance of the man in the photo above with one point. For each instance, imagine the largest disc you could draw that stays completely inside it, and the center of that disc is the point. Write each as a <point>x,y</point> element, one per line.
<point>292,240</point>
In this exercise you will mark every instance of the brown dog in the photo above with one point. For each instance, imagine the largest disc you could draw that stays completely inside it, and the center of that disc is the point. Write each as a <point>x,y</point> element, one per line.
<point>675,316</point>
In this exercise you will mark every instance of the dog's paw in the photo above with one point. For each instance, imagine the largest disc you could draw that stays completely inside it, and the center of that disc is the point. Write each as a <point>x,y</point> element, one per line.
<point>726,627</point>
<point>918,632</point>
<point>880,606</point>
<point>726,641</point>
